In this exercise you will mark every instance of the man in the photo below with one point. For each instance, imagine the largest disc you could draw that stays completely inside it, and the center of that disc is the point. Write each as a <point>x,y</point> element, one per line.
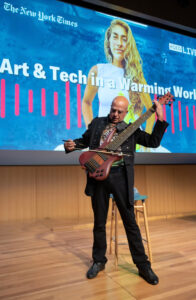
<point>119,182</point>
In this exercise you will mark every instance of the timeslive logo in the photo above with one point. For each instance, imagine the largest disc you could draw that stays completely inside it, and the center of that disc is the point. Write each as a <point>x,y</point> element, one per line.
<point>182,49</point>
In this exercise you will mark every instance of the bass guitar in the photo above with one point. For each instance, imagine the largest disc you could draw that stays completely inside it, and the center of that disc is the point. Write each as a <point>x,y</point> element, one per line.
<point>98,162</point>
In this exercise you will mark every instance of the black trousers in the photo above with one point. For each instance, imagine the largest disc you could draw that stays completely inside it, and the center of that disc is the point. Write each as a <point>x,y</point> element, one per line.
<point>116,184</point>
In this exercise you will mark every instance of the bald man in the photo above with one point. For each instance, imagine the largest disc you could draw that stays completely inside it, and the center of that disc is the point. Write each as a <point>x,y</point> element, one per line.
<point>120,183</point>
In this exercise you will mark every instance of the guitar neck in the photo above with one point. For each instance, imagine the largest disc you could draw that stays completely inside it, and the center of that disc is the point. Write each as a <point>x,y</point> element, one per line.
<point>130,130</point>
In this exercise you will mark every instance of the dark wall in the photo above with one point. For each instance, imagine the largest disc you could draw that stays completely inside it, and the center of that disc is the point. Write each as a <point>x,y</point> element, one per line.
<point>178,11</point>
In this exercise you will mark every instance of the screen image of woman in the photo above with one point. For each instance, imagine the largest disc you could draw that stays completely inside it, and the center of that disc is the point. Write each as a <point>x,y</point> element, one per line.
<point>124,63</point>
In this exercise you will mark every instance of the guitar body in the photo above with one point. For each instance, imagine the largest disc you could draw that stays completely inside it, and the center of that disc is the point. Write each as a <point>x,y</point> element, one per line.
<point>98,165</point>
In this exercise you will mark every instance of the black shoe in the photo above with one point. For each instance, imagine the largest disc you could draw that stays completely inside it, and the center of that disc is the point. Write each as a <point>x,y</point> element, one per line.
<point>95,269</point>
<point>148,275</point>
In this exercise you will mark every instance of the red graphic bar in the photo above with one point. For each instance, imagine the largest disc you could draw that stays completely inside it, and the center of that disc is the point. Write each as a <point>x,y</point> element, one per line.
<point>67,104</point>
<point>180,115</point>
<point>194,117</point>
<point>79,107</point>
<point>155,98</point>
<point>17,99</point>
<point>2,107</point>
<point>30,101</point>
<point>172,118</point>
<point>164,114</point>
<point>43,102</point>
<point>55,103</point>
<point>187,116</point>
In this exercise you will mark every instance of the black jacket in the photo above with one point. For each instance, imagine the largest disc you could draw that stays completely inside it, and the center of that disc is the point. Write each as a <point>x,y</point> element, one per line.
<point>91,139</point>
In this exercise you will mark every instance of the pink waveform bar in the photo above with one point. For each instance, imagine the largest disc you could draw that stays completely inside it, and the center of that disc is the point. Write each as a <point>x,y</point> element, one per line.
<point>43,102</point>
<point>30,101</point>
<point>155,98</point>
<point>55,103</point>
<point>180,115</point>
<point>2,107</point>
<point>172,118</point>
<point>67,104</point>
<point>194,117</point>
<point>187,116</point>
<point>164,114</point>
<point>17,99</point>
<point>79,107</point>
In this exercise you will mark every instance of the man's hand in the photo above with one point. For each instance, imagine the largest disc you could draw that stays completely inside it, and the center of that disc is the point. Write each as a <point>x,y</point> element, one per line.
<point>159,110</point>
<point>69,145</point>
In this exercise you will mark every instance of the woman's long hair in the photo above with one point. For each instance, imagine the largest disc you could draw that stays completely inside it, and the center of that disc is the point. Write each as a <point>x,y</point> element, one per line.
<point>132,63</point>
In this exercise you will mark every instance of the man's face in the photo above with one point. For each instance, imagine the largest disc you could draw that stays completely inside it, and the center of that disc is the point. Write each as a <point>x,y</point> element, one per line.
<point>118,112</point>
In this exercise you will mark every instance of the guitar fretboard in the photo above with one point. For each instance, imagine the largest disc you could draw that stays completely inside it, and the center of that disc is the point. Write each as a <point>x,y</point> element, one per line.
<point>112,146</point>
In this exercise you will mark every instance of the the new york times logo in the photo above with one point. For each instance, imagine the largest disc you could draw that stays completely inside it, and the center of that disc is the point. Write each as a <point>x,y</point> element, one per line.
<point>182,49</point>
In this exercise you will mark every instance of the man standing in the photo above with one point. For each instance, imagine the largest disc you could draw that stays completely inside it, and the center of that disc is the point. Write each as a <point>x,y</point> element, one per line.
<point>120,183</point>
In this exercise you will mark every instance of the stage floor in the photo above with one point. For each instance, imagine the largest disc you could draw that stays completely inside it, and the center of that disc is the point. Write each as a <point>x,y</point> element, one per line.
<point>48,260</point>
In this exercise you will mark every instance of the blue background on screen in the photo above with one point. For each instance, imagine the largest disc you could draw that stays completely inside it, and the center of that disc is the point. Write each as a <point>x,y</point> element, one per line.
<point>28,39</point>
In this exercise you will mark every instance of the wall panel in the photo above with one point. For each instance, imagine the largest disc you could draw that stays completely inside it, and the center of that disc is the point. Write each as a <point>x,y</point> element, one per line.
<point>37,192</point>
<point>17,193</point>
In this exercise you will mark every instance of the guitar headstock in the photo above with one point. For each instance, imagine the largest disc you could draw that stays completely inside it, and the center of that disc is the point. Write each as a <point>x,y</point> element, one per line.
<point>166,99</point>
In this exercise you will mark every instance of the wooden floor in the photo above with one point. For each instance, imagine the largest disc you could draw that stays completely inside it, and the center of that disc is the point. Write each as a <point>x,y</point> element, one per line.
<point>47,260</point>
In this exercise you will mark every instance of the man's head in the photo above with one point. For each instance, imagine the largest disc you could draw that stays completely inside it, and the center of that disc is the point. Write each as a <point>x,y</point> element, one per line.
<point>118,109</point>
